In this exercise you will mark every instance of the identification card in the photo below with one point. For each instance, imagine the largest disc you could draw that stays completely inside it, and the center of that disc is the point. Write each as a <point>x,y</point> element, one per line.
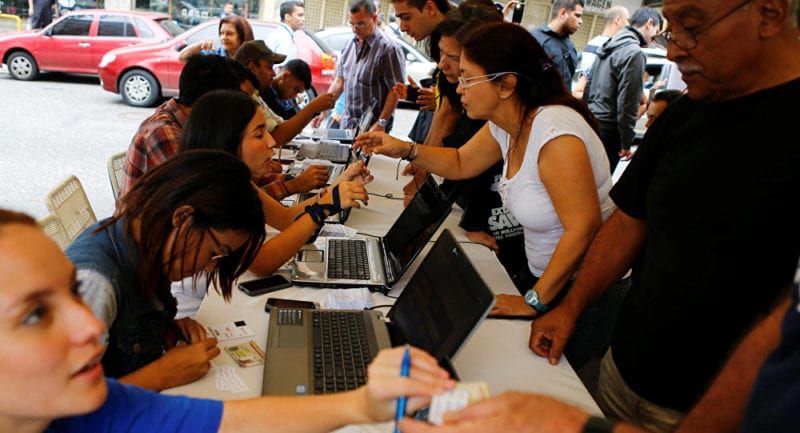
<point>246,354</point>
<point>230,330</point>
<point>456,399</point>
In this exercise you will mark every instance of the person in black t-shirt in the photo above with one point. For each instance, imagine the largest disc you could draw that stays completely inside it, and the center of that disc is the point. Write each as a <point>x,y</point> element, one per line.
<point>710,231</point>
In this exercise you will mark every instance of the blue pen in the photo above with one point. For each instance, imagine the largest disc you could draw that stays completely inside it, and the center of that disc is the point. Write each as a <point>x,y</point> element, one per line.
<point>401,402</point>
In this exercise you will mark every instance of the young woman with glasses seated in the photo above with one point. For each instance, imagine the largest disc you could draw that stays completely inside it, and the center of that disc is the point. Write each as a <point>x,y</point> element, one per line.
<point>178,220</point>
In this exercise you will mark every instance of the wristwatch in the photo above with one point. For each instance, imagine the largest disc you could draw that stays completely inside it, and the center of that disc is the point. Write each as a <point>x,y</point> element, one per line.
<point>532,299</point>
<point>383,123</point>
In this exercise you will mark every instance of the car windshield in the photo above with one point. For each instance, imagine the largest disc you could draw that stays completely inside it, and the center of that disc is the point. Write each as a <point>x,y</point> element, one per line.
<point>171,27</point>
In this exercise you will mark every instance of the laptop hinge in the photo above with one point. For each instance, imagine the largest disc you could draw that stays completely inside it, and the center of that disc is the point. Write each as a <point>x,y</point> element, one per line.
<point>388,267</point>
<point>395,334</point>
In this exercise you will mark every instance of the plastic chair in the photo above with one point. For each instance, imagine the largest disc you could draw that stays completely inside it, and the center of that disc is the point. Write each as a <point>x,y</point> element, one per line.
<point>69,203</point>
<point>52,227</point>
<point>115,173</point>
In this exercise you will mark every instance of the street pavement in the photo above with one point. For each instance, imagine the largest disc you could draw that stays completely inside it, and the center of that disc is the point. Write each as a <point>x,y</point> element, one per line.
<point>61,125</point>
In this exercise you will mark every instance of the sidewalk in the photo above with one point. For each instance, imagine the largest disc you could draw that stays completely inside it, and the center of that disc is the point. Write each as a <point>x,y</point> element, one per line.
<point>10,25</point>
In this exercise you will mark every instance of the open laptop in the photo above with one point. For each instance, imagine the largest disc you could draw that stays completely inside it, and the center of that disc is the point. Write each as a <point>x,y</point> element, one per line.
<point>376,263</point>
<point>349,135</point>
<point>334,170</point>
<point>439,309</point>
<point>330,146</point>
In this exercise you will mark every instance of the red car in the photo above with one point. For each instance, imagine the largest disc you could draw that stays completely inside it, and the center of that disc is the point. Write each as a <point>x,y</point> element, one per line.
<point>77,42</point>
<point>145,74</point>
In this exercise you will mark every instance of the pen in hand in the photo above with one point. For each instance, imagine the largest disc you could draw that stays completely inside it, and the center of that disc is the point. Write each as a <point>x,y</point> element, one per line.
<point>401,402</point>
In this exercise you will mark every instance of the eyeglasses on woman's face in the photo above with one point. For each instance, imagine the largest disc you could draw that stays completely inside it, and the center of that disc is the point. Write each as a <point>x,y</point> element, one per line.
<point>467,82</point>
<point>220,251</point>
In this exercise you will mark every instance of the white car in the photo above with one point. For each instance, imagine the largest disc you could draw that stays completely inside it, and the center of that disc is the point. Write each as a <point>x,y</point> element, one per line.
<point>659,68</point>
<point>418,64</point>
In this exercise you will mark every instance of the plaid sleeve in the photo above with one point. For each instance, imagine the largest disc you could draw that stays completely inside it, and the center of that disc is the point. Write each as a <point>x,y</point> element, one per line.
<point>150,148</point>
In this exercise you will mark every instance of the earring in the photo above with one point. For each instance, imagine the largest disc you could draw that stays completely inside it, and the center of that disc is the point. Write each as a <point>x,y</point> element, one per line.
<point>503,97</point>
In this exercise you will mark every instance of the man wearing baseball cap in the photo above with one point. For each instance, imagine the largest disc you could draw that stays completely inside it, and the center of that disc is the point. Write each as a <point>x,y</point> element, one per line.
<point>261,61</point>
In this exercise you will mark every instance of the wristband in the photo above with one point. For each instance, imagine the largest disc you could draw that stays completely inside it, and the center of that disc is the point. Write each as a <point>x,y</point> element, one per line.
<point>317,214</point>
<point>334,208</point>
<point>598,424</point>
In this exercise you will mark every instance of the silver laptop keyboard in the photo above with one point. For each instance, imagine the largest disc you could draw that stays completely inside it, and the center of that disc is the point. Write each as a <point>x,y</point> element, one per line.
<point>341,351</point>
<point>332,151</point>
<point>347,259</point>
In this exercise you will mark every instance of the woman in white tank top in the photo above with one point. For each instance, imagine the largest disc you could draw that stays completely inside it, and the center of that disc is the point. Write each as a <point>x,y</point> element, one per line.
<point>556,175</point>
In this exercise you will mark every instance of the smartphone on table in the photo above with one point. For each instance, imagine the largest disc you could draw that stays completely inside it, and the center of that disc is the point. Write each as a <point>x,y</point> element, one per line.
<point>288,303</point>
<point>259,286</point>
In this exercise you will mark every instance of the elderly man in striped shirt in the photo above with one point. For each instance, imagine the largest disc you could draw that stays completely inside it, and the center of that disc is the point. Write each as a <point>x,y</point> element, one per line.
<point>370,65</point>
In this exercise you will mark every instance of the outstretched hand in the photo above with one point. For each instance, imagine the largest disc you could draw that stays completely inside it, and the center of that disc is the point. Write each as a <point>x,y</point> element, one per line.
<point>427,98</point>
<point>351,194</point>
<point>323,102</point>
<point>314,176</point>
<point>184,363</point>
<point>385,384</point>
<point>550,333</point>
<point>317,120</point>
<point>382,144</point>
<point>401,90</point>
<point>508,412</point>
<point>355,172</point>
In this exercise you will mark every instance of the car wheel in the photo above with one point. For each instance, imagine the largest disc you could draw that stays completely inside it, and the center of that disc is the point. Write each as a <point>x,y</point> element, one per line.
<point>139,89</point>
<point>22,66</point>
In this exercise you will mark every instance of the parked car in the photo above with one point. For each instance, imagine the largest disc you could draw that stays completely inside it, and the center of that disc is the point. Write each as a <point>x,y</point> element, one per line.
<point>660,74</point>
<point>76,43</point>
<point>145,74</point>
<point>660,69</point>
<point>418,64</point>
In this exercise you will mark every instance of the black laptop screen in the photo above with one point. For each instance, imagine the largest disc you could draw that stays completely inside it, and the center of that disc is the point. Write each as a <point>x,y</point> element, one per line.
<point>442,303</point>
<point>415,226</point>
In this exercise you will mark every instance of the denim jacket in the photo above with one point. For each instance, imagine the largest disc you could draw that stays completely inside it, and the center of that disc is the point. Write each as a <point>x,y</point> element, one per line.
<point>137,332</point>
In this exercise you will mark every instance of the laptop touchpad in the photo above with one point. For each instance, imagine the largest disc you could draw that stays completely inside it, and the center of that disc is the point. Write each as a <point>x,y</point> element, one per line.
<point>314,256</point>
<point>291,336</point>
